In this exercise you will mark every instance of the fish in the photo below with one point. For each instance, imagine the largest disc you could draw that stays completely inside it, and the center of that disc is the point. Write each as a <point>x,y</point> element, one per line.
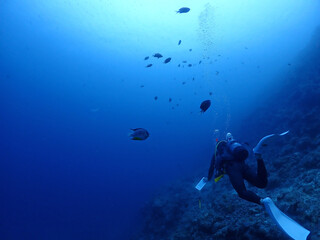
<point>189,65</point>
<point>170,100</point>
<point>179,42</point>
<point>200,62</point>
<point>142,86</point>
<point>205,105</point>
<point>183,83</point>
<point>156,98</point>
<point>157,55</point>
<point>167,60</point>
<point>183,10</point>
<point>146,58</point>
<point>190,49</point>
<point>139,134</point>
<point>179,65</point>
<point>149,65</point>
<point>184,61</point>
<point>210,93</point>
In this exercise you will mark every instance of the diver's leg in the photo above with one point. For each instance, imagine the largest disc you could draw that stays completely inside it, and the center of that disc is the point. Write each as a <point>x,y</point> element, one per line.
<point>259,179</point>
<point>234,171</point>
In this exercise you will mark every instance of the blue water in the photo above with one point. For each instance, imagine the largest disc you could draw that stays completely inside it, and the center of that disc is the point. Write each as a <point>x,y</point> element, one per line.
<point>70,91</point>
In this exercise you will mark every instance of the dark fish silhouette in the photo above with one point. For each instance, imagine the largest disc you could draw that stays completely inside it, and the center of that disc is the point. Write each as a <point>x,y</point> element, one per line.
<point>179,42</point>
<point>205,105</point>
<point>189,65</point>
<point>139,134</point>
<point>157,55</point>
<point>167,60</point>
<point>184,61</point>
<point>149,65</point>
<point>183,10</point>
<point>156,98</point>
<point>190,49</point>
<point>210,93</point>
<point>146,58</point>
<point>179,65</point>
<point>170,100</point>
<point>200,62</point>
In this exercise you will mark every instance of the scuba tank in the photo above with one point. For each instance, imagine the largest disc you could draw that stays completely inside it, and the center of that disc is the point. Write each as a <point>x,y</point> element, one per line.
<point>228,151</point>
<point>237,150</point>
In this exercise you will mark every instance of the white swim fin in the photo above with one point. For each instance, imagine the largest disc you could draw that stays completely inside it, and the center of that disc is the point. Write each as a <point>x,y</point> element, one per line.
<point>257,149</point>
<point>288,225</point>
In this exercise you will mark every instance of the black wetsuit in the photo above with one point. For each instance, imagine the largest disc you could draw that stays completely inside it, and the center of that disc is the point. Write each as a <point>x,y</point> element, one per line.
<point>238,170</point>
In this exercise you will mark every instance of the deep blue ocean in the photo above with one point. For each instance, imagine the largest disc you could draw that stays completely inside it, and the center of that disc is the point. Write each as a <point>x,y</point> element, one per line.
<point>73,82</point>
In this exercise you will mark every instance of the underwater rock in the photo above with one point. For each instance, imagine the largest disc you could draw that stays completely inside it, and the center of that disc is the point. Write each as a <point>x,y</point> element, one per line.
<point>303,144</point>
<point>273,182</point>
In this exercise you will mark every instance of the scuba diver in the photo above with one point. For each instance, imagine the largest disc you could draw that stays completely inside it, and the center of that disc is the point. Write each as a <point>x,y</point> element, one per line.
<point>229,158</point>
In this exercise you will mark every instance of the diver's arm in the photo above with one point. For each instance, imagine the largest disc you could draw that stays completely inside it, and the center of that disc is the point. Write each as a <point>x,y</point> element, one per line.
<point>211,169</point>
